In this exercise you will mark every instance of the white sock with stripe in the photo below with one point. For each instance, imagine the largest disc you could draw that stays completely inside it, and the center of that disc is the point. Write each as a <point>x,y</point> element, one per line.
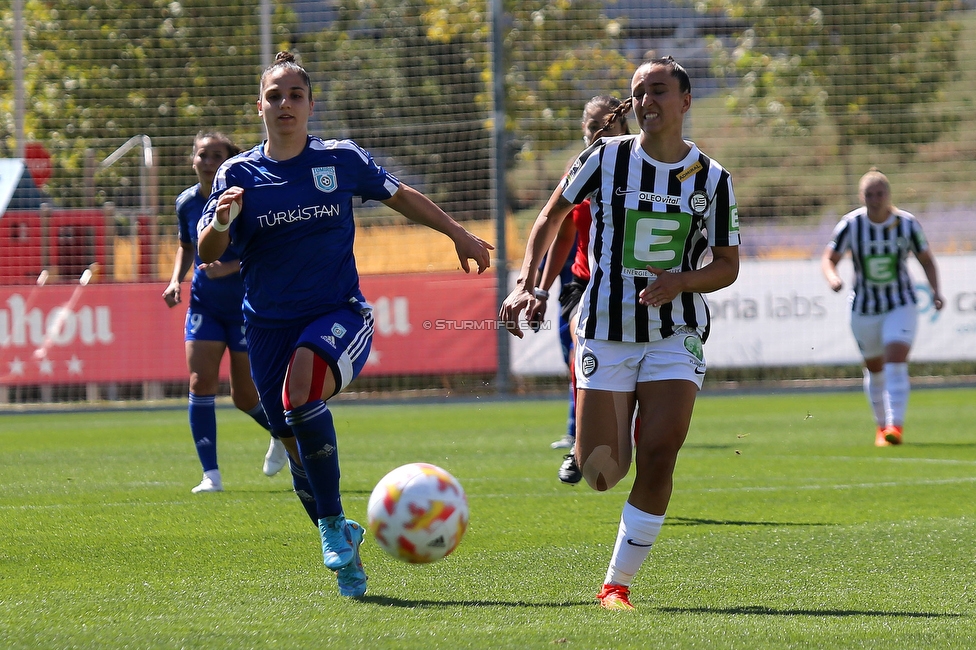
<point>874,388</point>
<point>635,536</point>
<point>897,387</point>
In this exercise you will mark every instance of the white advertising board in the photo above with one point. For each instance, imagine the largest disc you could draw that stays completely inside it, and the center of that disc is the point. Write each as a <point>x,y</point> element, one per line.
<point>783,313</point>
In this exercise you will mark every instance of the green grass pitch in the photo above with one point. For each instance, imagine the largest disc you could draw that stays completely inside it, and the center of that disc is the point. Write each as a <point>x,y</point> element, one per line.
<point>787,529</point>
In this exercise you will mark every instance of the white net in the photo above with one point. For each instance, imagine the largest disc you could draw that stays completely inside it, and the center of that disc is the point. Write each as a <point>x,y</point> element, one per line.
<point>100,102</point>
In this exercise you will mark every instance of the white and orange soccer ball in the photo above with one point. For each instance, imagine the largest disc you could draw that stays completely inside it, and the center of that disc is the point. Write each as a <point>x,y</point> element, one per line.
<point>418,513</point>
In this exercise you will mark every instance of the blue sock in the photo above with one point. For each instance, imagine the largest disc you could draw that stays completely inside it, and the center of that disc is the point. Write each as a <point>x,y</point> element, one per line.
<point>304,491</point>
<point>260,416</point>
<point>203,428</point>
<point>315,432</point>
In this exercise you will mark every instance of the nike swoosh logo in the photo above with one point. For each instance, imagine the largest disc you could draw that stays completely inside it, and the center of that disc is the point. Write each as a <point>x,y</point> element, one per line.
<point>699,371</point>
<point>651,197</point>
<point>633,543</point>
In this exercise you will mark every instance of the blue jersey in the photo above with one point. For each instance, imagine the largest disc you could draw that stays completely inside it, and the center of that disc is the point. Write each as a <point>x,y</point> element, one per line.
<point>222,296</point>
<point>295,231</point>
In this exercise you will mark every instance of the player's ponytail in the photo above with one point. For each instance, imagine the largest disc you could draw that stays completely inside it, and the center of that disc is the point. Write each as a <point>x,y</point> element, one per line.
<point>618,112</point>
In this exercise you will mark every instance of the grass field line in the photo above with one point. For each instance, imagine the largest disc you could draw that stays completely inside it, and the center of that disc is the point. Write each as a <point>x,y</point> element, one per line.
<point>544,495</point>
<point>761,488</point>
<point>862,459</point>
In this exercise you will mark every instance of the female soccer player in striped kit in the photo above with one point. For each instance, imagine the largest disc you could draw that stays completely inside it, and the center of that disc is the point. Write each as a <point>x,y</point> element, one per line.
<point>883,302</point>
<point>603,116</point>
<point>309,327</point>
<point>658,205</point>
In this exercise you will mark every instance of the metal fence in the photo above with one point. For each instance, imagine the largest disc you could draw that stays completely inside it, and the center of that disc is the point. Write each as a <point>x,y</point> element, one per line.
<point>100,101</point>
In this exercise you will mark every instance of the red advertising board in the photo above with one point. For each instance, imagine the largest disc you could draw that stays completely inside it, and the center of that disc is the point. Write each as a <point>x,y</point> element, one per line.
<point>67,334</point>
<point>432,323</point>
<point>73,334</point>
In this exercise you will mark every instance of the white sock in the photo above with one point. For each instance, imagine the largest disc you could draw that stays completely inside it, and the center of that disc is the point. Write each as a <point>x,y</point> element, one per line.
<point>897,387</point>
<point>213,475</point>
<point>635,536</point>
<point>874,388</point>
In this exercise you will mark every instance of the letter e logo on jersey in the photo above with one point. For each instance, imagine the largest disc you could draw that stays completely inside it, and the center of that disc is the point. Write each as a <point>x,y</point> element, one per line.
<point>325,179</point>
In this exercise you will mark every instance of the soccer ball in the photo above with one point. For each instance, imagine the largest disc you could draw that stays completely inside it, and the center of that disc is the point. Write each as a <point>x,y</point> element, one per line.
<point>418,513</point>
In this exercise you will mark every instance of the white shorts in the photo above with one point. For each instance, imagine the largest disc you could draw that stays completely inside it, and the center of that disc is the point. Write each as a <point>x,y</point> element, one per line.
<point>619,366</point>
<point>874,332</point>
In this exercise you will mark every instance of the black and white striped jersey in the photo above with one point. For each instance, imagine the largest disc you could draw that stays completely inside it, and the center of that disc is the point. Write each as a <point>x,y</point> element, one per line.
<point>647,213</point>
<point>879,252</point>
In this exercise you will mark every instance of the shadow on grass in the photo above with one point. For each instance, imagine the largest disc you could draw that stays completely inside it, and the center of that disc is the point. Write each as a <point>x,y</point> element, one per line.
<point>691,521</point>
<point>939,445</point>
<point>746,610</point>
<point>388,601</point>
<point>759,610</point>
<point>694,445</point>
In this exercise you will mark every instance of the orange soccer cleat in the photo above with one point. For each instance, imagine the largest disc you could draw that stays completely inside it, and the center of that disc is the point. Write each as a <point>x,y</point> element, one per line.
<point>893,434</point>
<point>615,597</point>
<point>879,438</point>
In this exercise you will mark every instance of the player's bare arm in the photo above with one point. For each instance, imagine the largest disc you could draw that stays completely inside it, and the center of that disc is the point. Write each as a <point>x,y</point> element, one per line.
<point>420,209</point>
<point>218,269</point>
<point>559,252</point>
<point>182,263</point>
<point>828,263</point>
<point>543,232</point>
<point>927,260</point>
<point>717,274</point>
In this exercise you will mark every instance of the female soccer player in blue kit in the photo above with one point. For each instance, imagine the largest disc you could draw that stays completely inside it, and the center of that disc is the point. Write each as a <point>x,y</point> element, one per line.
<point>287,204</point>
<point>213,320</point>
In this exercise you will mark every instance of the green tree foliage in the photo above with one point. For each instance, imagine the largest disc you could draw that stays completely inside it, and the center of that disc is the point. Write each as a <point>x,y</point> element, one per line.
<point>100,72</point>
<point>874,68</point>
<point>412,81</point>
<point>408,79</point>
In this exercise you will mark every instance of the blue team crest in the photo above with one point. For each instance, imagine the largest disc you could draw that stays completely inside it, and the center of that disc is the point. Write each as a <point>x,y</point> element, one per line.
<point>325,178</point>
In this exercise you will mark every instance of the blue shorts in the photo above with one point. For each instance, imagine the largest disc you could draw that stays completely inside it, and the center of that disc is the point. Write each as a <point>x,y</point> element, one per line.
<point>204,325</point>
<point>342,338</point>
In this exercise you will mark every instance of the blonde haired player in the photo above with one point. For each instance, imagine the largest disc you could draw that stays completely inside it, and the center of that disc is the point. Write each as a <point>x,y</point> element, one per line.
<point>883,302</point>
<point>658,205</point>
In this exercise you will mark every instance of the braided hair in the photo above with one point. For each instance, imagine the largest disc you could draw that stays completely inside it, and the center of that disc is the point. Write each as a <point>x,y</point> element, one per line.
<point>617,111</point>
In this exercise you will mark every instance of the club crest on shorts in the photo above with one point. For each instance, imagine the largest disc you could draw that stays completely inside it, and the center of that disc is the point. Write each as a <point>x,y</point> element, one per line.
<point>588,364</point>
<point>338,330</point>
<point>325,179</point>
